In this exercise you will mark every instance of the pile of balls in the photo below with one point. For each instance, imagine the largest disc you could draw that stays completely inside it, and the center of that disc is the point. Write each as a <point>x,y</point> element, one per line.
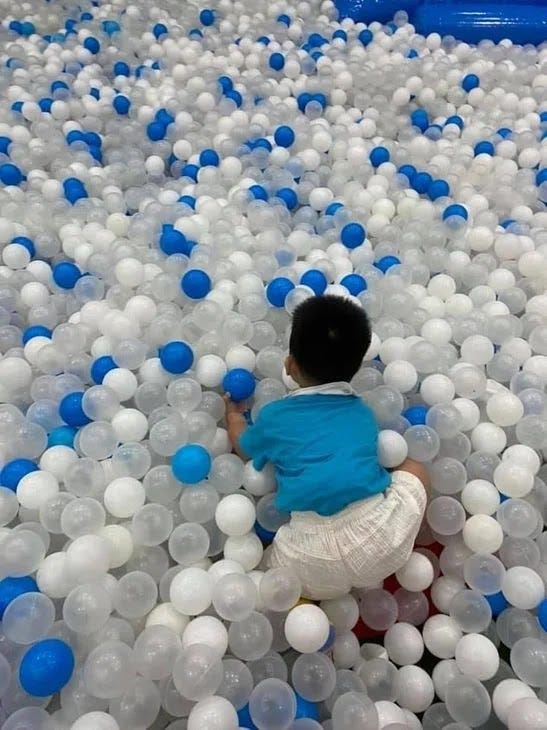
<point>174,181</point>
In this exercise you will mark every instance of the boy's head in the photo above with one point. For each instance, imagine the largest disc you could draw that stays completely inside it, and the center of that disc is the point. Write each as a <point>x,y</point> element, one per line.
<point>329,338</point>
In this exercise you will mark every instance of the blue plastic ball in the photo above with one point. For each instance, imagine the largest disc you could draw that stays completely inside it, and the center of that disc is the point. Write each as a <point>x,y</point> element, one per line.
<point>289,197</point>
<point>66,274</point>
<point>159,29</point>
<point>45,104</point>
<point>156,131</point>
<point>484,148</point>
<point>173,241</point>
<point>421,182</point>
<point>188,200</point>
<point>366,36</point>
<point>196,284</point>
<point>277,61</point>
<point>541,176</point>
<point>207,17</point>
<point>352,235</point>
<point>303,100</point>
<point>258,192</point>
<point>209,157</point>
<point>284,136</point>
<point>455,119</point>
<point>277,290</point>
<point>121,104</point>
<point>330,639</point>
<point>26,243</point>
<point>190,171</point>
<point>416,415</point>
<point>46,667</point>
<point>191,464</point>
<point>100,367</point>
<point>13,471</point>
<point>36,330</point>
<point>4,145</point>
<point>498,603</point>
<point>111,26</point>
<point>315,279</point>
<point>420,118</point>
<point>542,614</point>
<point>378,156</point>
<point>11,588</point>
<point>239,383</point>
<point>386,262</point>
<point>438,189</point>
<point>74,190</point>
<point>92,45</point>
<point>321,98</point>
<point>235,96</point>
<point>226,83</point>
<point>265,535</point>
<point>408,171</point>
<point>504,132</point>
<point>455,210</point>
<point>70,410</point>
<point>75,136</point>
<point>332,208</point>
<point>341,34</point>
<point>121,68</point>
<point>244,719</point>
<point>176,357</point>
<point>354,283</point>
<point>305,708</point>
<point>470,82</point>
<point>62,436</point>
<point>284,19</point>
<point>10,174</point>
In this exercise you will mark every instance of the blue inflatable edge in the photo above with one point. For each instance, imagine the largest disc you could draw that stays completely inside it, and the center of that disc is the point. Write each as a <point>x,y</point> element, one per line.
<point>471,22</point>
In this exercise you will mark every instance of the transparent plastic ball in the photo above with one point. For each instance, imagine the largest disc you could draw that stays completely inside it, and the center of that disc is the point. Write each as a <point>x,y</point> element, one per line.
<point>252,638</point>
<point>468,701</point>
<point>109,670</point>
<point>87,608</point>
<point>378,609</point>
<point>234,597</point>
<point>272,704</point>
<point>28,618</point>
<point>314,677</point>
<point>155,651</point>
<point>280,589</point>
<point>197,672</point>
<point>237,683</point>
<point>353,709</point>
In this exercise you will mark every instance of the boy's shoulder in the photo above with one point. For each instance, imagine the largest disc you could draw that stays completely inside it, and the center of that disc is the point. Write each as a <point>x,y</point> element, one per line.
<point>292,402</point>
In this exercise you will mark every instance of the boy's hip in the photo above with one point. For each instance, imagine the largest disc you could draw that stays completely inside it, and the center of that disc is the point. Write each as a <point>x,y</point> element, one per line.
<point>405,493</point>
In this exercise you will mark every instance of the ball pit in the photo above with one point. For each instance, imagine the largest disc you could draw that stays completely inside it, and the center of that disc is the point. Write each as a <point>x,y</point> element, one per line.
<point>174,180</point>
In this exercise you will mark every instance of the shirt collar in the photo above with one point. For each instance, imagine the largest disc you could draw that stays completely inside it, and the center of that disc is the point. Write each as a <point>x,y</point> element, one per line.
<point>341,388</point>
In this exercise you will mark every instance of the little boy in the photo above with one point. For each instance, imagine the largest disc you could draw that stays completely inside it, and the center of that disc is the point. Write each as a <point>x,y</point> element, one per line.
<point>352,523</point>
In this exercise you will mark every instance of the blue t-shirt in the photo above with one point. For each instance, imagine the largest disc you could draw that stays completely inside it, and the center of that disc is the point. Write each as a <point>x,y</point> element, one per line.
<point>323,448</point>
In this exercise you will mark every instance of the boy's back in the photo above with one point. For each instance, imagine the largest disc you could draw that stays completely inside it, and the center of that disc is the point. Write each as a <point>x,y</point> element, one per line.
<point>322,443</point>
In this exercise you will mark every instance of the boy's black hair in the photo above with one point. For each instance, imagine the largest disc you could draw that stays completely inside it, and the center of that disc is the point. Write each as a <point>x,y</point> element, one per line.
<point>329,338</point>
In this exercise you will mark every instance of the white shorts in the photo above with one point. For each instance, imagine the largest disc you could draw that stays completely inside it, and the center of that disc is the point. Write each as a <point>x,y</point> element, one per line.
<point>357,547</point>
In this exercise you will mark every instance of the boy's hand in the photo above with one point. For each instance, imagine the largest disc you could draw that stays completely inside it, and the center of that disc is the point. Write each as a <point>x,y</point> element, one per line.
<point>233,408</point>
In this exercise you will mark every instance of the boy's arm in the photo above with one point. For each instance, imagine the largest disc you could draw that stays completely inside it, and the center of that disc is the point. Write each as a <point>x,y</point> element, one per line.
<point>236,424</point>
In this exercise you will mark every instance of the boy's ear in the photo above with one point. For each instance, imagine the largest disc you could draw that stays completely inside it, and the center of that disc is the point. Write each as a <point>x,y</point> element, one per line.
<point>290,366</point>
